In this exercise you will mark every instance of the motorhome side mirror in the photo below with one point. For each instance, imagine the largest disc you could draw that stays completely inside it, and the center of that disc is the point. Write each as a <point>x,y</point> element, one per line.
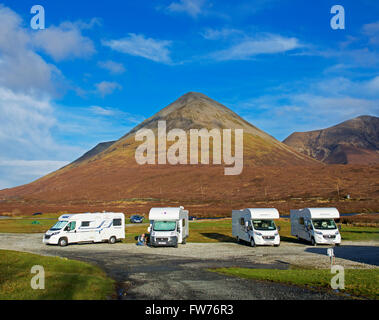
<point>278,228</point>
<point>339,227</point>
<point>67,229</point>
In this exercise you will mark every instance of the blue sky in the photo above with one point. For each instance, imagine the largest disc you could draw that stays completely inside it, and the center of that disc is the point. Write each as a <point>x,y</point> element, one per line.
<point>99,68</point>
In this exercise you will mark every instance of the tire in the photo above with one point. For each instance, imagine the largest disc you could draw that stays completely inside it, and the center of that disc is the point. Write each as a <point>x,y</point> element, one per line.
<point>238,240</point>
<point>337,244</point>
<point>184,241</point>
<point>112,240</point>
<point>313,241</point>
<point>276,245</point>
<point>63,242</point>
<point>252,242</point>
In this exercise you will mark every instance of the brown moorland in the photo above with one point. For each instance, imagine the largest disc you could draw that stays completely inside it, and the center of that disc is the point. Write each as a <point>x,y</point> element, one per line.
<point>274,175</point>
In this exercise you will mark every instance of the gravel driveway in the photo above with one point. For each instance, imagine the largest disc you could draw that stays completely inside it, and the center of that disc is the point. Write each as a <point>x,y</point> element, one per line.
<point>170,273</point>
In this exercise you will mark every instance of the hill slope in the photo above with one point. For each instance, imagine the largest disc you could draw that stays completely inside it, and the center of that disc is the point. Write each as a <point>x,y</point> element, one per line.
<point>354,141</point>
<point>108,177</point>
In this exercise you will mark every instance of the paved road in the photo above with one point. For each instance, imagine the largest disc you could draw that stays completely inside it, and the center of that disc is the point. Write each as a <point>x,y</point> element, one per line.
<point>169,273</point>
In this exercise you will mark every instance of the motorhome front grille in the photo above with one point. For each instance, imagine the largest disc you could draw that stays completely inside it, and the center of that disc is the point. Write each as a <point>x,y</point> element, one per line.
<point>47,236</point>
<point>161,239</point>
<point>269,237</point>
<point>330,236</point>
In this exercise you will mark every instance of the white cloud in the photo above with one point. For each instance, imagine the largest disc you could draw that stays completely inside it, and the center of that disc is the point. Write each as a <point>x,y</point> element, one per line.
<point>139,45</point>
<point>112,67</point>
<point>63,42</point>
<point>372,31</point>
<point>22,69</point>
<point>214,34</point>
<point>106,87</point>
<point>191,7</point>
<point>16,172</point>
<point>261,44</point>
<point>102,111</point>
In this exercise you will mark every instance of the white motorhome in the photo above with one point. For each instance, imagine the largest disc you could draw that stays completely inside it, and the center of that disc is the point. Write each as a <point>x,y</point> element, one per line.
<point>256,226</point>
<point>316,225</point>
<point>168,226</point>
<point>87,227</point>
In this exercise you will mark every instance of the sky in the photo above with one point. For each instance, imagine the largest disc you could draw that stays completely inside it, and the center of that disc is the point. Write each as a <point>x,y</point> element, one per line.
<point>101,67</point>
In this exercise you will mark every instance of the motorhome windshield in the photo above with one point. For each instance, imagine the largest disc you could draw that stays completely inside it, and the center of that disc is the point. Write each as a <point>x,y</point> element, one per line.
<point>59,225</point>
<point>164,225</point>
<point>264,225</point>
<point>324,224</point>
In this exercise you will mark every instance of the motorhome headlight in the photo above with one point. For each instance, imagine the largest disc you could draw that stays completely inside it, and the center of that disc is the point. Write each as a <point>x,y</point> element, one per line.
<point>337,233</point>
<point>54,234</point>
<point>276,233</point>
<point>257,233</point>
<point>318,232</point>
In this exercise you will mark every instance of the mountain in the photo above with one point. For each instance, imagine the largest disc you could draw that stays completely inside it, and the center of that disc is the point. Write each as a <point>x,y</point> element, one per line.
<point>355,141</point>
<point>100,147</point>
<point>109,178</point>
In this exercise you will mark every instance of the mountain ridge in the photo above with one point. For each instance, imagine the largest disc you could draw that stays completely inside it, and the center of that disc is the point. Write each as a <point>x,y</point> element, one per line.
<point>352,141</point>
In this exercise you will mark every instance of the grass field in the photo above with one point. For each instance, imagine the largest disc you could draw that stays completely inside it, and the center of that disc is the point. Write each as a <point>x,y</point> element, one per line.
<point>64,279</point>
<point>359,283</point>
<point>200,231</point>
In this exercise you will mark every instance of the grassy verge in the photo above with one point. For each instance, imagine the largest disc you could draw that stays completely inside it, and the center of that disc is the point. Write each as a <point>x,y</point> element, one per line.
<point>358,282</point>
<point>200,231</point>
<point>64,279</point>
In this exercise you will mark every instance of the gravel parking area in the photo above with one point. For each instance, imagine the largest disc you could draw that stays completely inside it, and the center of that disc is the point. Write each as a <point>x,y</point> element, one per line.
<point>181,273</point>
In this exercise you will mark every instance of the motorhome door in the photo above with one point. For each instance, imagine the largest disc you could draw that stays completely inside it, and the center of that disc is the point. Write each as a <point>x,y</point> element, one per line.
<point>71,232</point>
<point>180,230</point>
<point>244,232</point>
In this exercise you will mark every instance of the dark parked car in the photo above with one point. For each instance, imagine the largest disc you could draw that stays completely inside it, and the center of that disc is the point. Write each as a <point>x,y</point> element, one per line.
<point>136,219</point>
<point>192,218</point>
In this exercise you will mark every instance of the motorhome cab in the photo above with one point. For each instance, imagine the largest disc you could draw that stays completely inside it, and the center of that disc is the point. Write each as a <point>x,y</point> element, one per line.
<point>256,226</point>
<point>86,227</point>
<point>168,226</point>
<point>316,225</point>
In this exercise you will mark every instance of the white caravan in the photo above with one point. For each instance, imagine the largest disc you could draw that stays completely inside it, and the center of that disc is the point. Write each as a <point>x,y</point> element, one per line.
<point>256,225</point>
<point>316,225</point>
<point>86,227</point>
<point>168,226</point>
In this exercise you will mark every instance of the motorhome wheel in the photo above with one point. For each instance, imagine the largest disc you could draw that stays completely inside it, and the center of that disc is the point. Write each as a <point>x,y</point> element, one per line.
<point>112,240</point>
<point>62,242</point>
<point>314,242</point>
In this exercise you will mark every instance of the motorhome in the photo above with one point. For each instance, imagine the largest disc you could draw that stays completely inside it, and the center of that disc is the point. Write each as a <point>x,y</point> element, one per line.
<point>86,227</point>
<point>168,226</point>
<point>256,226</point>
<point>316,225</point>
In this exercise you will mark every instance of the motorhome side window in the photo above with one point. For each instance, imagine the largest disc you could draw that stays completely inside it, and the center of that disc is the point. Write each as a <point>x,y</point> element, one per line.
<point>184,223</point>
<point>301,220</point>
<point>242,221</point>
<point>71,225</point>
<point>85,224</point>
<point>117,222</point>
